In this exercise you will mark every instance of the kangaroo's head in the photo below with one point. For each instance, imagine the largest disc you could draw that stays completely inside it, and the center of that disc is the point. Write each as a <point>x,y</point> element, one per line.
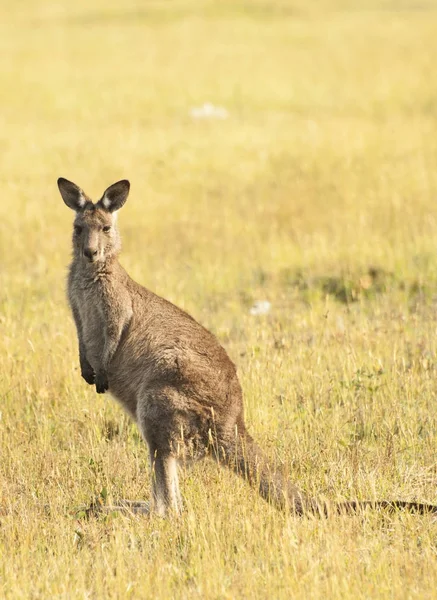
<point>95,236</point>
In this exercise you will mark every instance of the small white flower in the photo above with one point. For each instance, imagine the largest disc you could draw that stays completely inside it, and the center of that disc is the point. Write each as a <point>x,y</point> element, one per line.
<point>209,111</point>
<point>261,307</point>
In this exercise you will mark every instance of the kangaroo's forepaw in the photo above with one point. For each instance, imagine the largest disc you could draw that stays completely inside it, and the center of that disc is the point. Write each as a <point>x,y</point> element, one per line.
<point>88,374</point>
<point>101,383</point>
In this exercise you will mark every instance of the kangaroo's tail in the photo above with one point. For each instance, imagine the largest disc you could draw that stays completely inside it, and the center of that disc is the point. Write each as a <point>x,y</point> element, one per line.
<point>355,506</point>
<point>245,457</point>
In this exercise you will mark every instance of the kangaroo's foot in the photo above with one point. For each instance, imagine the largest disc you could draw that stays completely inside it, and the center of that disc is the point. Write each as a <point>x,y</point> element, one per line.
<point>127,507</point>
<point>135,507</point>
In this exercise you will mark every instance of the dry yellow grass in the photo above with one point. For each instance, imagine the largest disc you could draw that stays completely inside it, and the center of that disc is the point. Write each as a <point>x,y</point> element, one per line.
<point>325,168</point>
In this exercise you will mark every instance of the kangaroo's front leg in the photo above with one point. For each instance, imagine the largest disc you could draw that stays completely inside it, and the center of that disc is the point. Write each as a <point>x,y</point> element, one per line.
<point>86,369</point>
<point>112,335</point>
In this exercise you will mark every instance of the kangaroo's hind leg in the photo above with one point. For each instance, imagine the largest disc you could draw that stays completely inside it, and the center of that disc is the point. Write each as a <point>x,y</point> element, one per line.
<point>175,430</point>
<point>165,483</point>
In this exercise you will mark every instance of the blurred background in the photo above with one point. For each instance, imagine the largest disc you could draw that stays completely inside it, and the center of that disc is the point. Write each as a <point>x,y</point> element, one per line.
<point>262,139</point>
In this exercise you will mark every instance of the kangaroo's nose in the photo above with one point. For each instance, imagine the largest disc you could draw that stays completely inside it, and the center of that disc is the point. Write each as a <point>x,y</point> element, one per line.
<point>90,253</point>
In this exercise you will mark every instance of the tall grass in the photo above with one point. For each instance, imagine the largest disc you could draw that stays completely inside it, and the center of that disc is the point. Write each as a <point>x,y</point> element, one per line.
<point>318,193</point>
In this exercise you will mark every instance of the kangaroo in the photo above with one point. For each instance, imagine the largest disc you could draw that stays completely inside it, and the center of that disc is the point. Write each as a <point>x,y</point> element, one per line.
<point>168,372</point>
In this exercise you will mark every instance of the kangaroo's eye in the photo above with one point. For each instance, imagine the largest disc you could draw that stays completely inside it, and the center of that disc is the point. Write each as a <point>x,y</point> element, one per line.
<point>77,229</point>
<point>107,228</point>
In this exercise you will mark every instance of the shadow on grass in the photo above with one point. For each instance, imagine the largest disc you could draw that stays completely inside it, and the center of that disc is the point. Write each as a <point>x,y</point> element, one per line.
<point>349,288</point>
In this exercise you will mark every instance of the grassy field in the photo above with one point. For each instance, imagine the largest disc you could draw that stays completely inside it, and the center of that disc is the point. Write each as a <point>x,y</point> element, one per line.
<point>318,193</point>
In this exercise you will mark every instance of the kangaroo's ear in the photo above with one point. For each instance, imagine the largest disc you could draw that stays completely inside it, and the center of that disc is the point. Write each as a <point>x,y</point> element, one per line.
<point>72,195</point>
<point>115,196</point>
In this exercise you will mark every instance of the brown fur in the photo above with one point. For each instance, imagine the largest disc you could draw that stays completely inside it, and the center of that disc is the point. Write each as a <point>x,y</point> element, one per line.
<point>168,372</point>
